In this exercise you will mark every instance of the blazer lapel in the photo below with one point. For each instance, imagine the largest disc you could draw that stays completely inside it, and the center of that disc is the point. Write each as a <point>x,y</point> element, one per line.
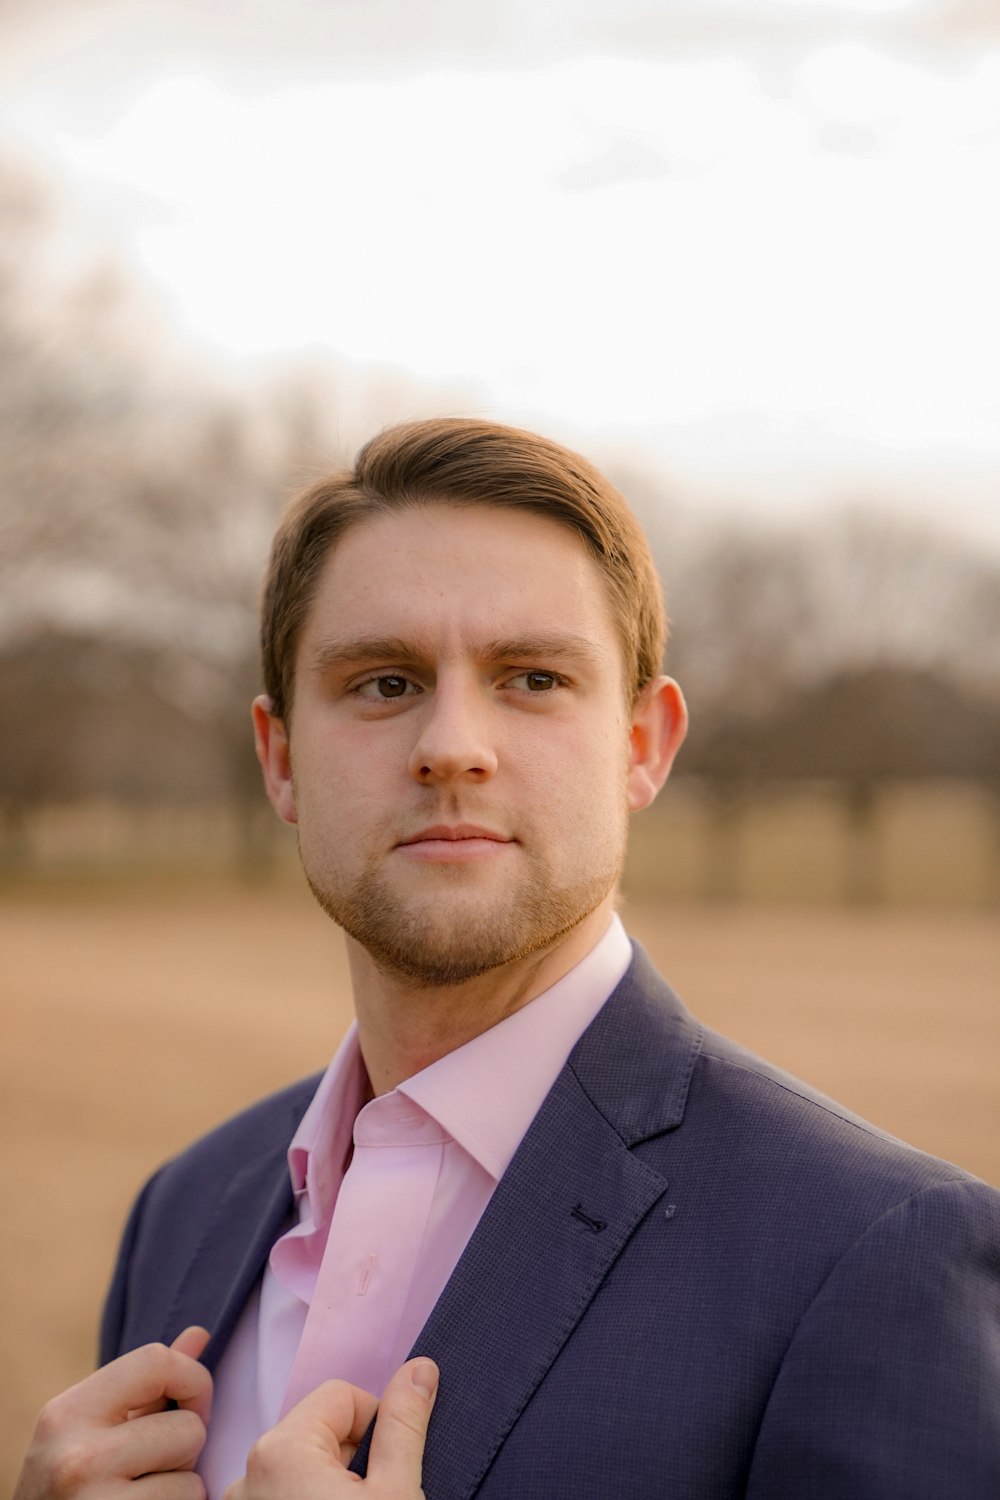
<point>565,1208</point>
<point>251,1214</point>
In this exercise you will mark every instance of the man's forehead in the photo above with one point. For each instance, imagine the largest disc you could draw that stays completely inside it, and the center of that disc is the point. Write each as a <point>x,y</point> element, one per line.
<point>453,517</point>
<point>479,559</point>
<point>437,581</point>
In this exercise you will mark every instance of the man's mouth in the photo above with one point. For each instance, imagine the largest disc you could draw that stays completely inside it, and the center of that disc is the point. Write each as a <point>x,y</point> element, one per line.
<point>454,841</point>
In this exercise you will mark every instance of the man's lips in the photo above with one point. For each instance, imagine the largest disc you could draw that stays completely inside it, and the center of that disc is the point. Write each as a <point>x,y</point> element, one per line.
<point>458,831</point>
<point>457,841</point>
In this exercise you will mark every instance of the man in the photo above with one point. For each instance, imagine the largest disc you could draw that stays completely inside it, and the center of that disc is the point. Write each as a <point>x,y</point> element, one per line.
<point>644,1262</point>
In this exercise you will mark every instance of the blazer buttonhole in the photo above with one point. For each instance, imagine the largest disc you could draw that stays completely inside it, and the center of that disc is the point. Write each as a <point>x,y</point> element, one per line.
<point>594,1225</point>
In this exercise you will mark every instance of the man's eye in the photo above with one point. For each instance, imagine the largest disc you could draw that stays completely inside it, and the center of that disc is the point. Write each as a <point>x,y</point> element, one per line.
<point>537,682</point>
<point>391,685</point>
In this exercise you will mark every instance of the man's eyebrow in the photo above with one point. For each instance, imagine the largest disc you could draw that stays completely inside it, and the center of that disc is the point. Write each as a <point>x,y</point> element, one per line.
<point>355,650</point>
<point>559,646</point>
<point>363,648</point>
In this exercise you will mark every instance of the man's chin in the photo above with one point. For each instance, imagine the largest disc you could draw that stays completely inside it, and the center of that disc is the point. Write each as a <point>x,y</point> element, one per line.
<point>436,955</point>
<point>450,942</point>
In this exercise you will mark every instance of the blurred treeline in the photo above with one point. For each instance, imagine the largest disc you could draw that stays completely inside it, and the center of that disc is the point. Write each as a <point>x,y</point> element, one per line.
<point>139,486</point>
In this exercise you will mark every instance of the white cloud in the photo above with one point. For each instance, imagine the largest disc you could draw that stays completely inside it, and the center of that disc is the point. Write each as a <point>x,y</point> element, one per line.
<point>496,225</point>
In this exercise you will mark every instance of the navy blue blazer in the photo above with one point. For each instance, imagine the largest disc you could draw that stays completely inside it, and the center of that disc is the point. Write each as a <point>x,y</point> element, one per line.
<point>697,1280</point>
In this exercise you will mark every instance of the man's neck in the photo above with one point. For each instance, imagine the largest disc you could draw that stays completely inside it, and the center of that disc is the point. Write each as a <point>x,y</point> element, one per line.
<point>403,1027</point>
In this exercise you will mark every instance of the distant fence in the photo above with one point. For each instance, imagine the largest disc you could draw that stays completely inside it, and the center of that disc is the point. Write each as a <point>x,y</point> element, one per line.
<point>917,843</point>
<point>99,837</point>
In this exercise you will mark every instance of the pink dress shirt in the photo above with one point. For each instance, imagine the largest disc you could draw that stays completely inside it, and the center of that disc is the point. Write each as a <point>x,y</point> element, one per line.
<point>388,1194</point>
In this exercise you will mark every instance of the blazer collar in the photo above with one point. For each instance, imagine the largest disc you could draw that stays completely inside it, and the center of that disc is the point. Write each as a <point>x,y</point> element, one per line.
<point>636,1059</point>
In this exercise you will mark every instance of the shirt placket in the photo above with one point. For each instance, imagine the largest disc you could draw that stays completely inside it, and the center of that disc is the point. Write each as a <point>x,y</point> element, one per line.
<point>372,1249</point>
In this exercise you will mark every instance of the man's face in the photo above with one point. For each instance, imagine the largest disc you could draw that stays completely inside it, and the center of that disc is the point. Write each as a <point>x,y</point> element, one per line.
<point>461,746</point>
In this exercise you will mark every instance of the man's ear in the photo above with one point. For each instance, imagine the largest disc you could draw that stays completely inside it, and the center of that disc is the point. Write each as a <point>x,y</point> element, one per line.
<point>271,741</point>
<point>659,724</point>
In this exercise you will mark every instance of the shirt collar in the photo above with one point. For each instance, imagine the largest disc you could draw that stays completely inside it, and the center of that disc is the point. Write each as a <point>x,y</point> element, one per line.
<point>485,1094</point>
<point>319,1147</point>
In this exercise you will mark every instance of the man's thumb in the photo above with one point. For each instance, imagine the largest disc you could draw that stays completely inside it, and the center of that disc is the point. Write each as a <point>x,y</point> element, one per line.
<point>397,1451</point>
<point>193,1341</point>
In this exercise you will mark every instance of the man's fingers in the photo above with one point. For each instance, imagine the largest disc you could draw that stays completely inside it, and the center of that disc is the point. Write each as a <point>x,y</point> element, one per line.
<point>397,1453</point>
<point>82,1444</point>
<point>181,1486</point>
<point>192,1341</point>
<point>333,1416</point>
<point>143,1378</point>
<point>160,1443</point>
<point>306,1454</point>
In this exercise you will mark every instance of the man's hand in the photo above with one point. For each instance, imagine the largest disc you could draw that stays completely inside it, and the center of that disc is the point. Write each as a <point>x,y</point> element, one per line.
<point>307,1453</point>
<point>112,1436</point>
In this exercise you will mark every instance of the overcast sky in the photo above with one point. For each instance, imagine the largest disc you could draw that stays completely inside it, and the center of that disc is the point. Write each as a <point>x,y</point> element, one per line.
<point>756,238</point>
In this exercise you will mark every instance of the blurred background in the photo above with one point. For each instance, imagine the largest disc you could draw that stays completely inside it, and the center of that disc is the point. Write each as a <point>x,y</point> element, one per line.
<point>742,253</point>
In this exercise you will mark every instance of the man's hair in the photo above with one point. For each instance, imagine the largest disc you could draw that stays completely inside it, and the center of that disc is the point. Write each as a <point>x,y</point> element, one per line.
<point>462,462</point>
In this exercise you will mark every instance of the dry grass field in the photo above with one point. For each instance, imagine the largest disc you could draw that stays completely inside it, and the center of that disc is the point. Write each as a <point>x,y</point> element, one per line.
<point>135,1018</point>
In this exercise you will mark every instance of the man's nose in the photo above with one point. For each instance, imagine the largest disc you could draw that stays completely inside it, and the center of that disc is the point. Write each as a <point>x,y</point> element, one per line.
<point>454,739</point>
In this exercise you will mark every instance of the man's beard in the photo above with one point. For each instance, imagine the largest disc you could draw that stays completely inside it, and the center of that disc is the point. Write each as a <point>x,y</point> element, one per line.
<point>431,943</point>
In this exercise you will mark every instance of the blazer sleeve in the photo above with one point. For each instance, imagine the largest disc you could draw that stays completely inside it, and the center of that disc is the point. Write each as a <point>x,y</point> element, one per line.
<point>890,1388</point>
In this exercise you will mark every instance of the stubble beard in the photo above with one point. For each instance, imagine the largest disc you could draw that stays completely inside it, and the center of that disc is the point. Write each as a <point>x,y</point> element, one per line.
<point>435,941</point>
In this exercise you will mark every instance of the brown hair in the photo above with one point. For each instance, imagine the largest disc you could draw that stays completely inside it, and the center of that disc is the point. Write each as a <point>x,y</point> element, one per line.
<point>460,461</point>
